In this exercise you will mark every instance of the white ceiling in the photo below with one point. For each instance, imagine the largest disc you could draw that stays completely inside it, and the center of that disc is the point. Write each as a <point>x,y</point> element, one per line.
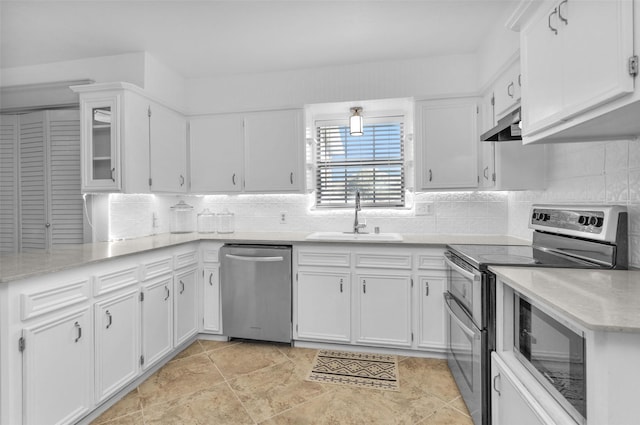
<point>210,38</point>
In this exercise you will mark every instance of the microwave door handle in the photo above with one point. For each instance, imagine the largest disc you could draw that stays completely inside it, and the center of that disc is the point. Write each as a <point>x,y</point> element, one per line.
<point>464,327</point>
<point>255,259</point>
<point>467,274</point>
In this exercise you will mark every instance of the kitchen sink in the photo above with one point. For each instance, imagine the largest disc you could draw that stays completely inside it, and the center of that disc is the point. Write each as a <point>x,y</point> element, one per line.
<point>349,236</point>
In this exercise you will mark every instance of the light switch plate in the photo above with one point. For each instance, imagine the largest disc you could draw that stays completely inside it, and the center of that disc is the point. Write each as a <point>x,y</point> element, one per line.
<point>424,208</point>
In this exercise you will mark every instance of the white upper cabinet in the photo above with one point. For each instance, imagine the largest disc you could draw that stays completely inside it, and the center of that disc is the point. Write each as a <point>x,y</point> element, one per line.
<point>217,153</point>
<point>114,138</point>
<point>575,57</point>
<point>258,152</point>
<point>168,149</point>
<point>274,146</point>
<point>446,144</point>
<point>507,91</point>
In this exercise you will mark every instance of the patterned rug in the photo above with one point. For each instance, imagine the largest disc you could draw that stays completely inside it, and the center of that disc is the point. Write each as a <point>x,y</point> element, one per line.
<point>365,370</point>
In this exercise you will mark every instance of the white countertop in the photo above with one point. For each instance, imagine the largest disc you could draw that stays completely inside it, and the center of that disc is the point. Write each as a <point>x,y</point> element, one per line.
<point>62,257</point>
<point>601,300</point>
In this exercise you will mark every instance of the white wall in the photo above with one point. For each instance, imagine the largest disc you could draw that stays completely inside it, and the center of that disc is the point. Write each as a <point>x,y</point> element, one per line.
<point>587,173</point>
<point>410,78</point>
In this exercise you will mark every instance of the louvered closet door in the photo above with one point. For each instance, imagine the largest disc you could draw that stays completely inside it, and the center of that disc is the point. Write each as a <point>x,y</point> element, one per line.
<point>8,183</point>
<point>33,202</point>
<point>66,207</point>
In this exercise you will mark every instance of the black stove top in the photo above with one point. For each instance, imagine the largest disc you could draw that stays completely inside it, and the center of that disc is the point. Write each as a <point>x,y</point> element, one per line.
<point>482,256</point>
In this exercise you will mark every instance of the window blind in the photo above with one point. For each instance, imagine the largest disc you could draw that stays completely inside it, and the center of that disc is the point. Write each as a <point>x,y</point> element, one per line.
<point>372,163</point>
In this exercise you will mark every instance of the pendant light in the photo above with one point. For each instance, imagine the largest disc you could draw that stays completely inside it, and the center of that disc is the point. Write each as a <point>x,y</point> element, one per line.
<point>355,122</point>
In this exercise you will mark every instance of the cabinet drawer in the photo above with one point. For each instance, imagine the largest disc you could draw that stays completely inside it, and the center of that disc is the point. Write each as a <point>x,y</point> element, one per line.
<point>386,261</point>
<point>335,259</point>
<point>430,261</point>
<point>210,255</point>
<point>157,268</point>
<point>41,302</point>
<point>185,259</point>
<point>112,281</point>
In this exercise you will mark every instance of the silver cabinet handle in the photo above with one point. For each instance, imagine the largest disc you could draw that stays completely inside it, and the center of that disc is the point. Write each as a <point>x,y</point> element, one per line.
<point>47,225</point>
<point>79,328</point>
<point>233,179</point>
<point>181,287</point>
<point>210,279</point>
<point>110,319</point>
<point>562,18</point>
<point>364,286</point>
<point>486,172</point>
<point>168,293</point>
<point>113,170</point>
<point>495,378</point>
<point>430,175</point>
<point>510,88</point>
<point>426,289</point>
<point>341,285</point>
<point>181,180</point>
<point>519,80</point>
<point>554,12</point>
<point>291,177</point>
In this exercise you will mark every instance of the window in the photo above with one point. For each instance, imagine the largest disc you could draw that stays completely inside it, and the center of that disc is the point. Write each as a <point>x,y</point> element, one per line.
<point>372,163</point>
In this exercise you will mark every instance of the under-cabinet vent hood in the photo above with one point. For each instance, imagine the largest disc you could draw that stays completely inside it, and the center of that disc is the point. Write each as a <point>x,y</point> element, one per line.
<point>508,129</point>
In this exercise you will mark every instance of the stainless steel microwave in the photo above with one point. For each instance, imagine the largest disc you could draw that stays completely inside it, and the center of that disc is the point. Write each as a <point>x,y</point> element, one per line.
<point>554,352</point>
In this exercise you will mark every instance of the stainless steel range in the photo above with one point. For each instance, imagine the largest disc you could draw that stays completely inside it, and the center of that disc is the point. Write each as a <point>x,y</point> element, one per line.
<point>564,236</point>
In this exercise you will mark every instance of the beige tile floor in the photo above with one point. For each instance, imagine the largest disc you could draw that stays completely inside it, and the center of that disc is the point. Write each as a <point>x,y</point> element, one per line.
<point>213,382</point>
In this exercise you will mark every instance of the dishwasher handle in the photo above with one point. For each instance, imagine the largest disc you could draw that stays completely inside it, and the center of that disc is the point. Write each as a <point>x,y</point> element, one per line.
<point>254,259</point>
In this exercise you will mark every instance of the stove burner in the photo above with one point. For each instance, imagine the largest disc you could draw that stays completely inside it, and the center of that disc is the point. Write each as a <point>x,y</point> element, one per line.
<point>507,259</point>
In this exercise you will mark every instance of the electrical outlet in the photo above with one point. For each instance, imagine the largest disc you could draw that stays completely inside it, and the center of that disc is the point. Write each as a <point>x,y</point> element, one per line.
<point>424,208</point>
<point>283,217</point>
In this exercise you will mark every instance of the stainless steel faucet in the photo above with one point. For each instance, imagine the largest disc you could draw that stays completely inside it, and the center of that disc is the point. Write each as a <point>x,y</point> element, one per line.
<point>356,225</point>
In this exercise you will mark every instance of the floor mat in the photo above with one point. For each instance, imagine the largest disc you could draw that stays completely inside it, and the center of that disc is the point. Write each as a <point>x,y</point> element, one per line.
<point>365,370</point>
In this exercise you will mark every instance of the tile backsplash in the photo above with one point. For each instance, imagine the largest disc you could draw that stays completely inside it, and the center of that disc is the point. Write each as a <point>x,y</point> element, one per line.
<point>577,173</point>
<point>587,173</point>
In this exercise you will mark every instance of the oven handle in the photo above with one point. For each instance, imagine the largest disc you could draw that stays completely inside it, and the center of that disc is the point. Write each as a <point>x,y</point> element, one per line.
<point>467,274</point>
<point>464,327</point>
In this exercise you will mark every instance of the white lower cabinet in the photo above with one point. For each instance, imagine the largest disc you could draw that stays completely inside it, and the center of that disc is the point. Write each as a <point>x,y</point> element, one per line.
<point>511,402</point>
<point>211,320</point>
<point>157,319</point>
<point>384,309</point>
<point>117,342</point>
<point>431,328</point>
<point>324,305</point>
<point>185,305</point>
<point>57,369</point>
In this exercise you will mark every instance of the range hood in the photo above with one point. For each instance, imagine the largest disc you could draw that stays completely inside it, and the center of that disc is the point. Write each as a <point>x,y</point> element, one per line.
<point>508,129</point>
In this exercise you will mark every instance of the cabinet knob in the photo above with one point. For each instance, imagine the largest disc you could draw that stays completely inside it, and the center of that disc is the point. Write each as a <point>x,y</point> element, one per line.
<point>210,279</point>
<point>291,177</point>
<point>510,90</point>
<point>181,180</point>
<point>181,287</point>
<point>47,225</point>
<point>110,319</point>
<point>79,328</point>
<point>167,292</point>
<point>495,378</point>
<point>233,179</point>
<point>430,175</point>
<point>113,170</point>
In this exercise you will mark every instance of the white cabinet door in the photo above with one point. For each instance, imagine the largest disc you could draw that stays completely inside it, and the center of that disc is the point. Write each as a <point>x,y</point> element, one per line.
<point>431,311</point>
<point>511,403</point>
<point>211,299</point>
<point>384,309</point>
<point>168,147</point>
<point>9,219</point>
<point>185,305</point>
<point>57,370</point>
<point>324,305</point>
<point>574,57</point>
<point>446,144</point>
<point>507,90</point>
<point>117,343</point>
<point>157,319</point>
<point>216,154</point>
<point>101,126</point>
<point>274,146</point>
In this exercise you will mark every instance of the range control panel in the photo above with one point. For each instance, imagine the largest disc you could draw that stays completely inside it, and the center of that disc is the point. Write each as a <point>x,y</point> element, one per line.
<point>583,221</point>
<point>598,222</point>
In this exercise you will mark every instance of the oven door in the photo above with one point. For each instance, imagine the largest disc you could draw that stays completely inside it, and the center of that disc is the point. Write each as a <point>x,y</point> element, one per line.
<point>464,283</point>
<point>465,344</point>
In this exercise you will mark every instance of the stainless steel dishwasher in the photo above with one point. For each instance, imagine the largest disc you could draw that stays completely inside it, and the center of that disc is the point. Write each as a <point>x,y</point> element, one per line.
<point>256,292</point>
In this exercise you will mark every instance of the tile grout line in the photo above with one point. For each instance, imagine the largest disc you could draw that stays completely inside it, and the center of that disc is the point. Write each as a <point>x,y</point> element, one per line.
<point>241,403</point>
<point>330,390</point>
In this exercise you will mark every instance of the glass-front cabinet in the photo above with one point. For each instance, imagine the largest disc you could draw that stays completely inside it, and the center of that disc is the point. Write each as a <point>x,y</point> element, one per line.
<point>101,168</point>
